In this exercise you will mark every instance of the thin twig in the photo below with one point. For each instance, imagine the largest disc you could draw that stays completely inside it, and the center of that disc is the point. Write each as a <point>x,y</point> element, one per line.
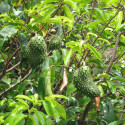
<point>85,112</point>
<point>5,67</point>
<point>102,31</point>
<point>16,84</point>
<point>118,58</point>
<point>2,56</point>
<point>114,53</point>
<point>94,3</point>
<point>13,67</point>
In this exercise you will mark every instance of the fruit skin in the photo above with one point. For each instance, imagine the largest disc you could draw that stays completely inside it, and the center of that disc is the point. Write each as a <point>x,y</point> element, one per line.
<point>55,42</point>
<point>84,82</point>
<point>35,51</point>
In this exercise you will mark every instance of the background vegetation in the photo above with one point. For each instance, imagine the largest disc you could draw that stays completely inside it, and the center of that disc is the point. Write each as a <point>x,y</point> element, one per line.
<point>92,32</point>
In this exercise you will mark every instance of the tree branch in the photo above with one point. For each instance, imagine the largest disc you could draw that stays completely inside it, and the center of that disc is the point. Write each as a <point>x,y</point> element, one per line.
<point>5,67</point>
<point>15,84</point>
<point>2,56</point>
<point>102,31</point>
<point>94,3</point>
<point>114,53</point>
<point>13,67</point>
<point>85,112</point>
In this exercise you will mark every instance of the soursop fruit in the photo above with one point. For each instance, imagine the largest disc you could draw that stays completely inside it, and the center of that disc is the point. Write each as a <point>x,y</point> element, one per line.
<point>54,42</point>
<point>35,51</point>
<point>84,82</point>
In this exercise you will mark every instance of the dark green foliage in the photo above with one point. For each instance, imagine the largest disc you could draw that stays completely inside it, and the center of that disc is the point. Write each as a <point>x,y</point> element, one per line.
<point>55,42</point>
<point>84,82</point>
<point>35,51</point>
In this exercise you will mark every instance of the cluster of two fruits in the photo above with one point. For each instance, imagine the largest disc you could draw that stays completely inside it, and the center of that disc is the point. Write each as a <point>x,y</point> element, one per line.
<point>35,51</point>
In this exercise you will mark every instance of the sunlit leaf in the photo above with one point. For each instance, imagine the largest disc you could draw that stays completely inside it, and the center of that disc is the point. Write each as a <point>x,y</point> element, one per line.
<point>48,14</point>
<point>89,33</point>
<point>72,4</point>
<point>58,96</point>
<point>48,89</point>
<point>104,40</point>
<point>60,110</point>
<point>55,114</point>
<point>48,108</point>
<point>119,20</point>
<point>67,11</point>
<point>41,117</point>
<point>101,90</point>
<point>24,97</point>
<point>93,50</point>
<point>67,58</point>
<point>118,78</point>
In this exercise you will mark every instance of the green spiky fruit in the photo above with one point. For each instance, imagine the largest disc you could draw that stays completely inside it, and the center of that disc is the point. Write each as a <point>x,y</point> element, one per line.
<point>55,42</point>
<point>35,51</point>
<point>84,82</point>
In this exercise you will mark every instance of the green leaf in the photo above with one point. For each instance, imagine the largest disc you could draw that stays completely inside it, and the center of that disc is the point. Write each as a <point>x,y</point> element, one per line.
<point>55,114</point>
<point>23,102</point>
<point>67,11</point>
<point>18,109</point>
<point>18,118</point>
<point>41,117</point>
<point>24,97</point>
<point>117,122</point>
<point>109,114</point>
<point>48,89</point>
<point>49,1</point>
<point>104,40</point>
<point>115,2</point>
<point>67,58</point>
<point>101,90</point>
<point>9,120</point>
<point>119,20</point>
<point>8,31</point>
<point>93,34</point>
<point>36,119</point>
<point>48,121</point>
<point>52,74</point>
<point>71,88</point>
<point>51,100</point>
<point>48,108</point>
<point>118,78</point>
<point>41,87</point>
<point>93,50</point>
<point>39,102</point>
<point>72,4</point>
<point>33,120</point>
<point>22,86</point>
<point>60,110</point>
<point>14,120</point>
<point>58,96</point>
<point>1,42</point>
<point>104,75</point>
<point>48,14</point>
